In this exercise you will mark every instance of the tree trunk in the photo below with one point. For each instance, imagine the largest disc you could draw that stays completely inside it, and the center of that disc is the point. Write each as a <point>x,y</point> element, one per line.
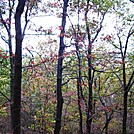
<point>79,107</point>
<point>8,29</point>
<point>11,69</point>
<point>59,72</point>
<point>125,96</point>
<point>16,106</point>
<point>89,108</point>
<point>107,123</point>
<point>11,78</point>
<point>89,111</point>
<point>79,87</point>
<point>126,88</point>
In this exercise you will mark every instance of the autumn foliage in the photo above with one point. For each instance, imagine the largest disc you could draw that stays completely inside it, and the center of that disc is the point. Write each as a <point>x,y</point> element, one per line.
<point>77,70</point>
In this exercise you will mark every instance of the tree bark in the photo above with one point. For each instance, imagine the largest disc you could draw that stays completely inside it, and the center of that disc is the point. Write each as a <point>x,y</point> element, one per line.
<point>11,60</point>
<point>79,107</point>
<point>125,86</point>
<point>125,98</point>
<point>16,104</point>
<point>89,110</point>
<point>79,89</point>
<point>8,29</point>
<point>59,72</point>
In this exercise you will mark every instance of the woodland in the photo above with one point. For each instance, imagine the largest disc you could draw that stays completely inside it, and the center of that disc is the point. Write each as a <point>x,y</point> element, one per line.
<point>66,67</point>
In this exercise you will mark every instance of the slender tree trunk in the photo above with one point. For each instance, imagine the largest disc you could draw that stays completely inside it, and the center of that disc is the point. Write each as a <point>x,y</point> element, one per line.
<point>126,86</point>
<point>131,115</point>
<point>108,119</point>
<point>79,86</point>
<point>59,72</point>
<point>107,123</point>
<point>10,49</point>
<point>11,79</point>
<point>125,96</point>
<point>89,109</point>
<point>126,89</point>
<point>79,91</point>
<point>16,106</point>
<point>79,107</point>
<point>8,29</point>
<point>11,72</point>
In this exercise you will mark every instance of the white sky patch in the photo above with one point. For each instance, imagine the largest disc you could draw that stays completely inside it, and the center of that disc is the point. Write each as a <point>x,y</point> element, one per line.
<point>52,22</point>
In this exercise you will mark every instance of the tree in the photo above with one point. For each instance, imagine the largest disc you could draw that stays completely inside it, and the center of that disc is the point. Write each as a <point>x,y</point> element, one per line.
<point>16,102</point>
<point>126,86</point>
<point>93,30</point>
<point>124,42</point>
<point>8,41</point>
<point>59,71</point>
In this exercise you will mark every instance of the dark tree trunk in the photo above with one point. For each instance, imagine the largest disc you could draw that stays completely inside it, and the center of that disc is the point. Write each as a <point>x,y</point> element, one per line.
<point>79,90</point>
<point>126,89</point>
<point>11,62</point>
<point>89,108</point>
<point>125,86</point>
<point>91,71</point>
<point>11,78</point>
<point>107,122</point>
<point>89,111</point>
<point>16,106</point>
<point>131,106</point>
<point>125,96</point>
<point>59,72</point>
<point>108,118</point>
<point>79,107</point>
<point>8,29</point>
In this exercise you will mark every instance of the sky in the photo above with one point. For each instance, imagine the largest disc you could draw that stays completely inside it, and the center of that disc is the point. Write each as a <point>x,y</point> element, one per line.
<point>48,22</point>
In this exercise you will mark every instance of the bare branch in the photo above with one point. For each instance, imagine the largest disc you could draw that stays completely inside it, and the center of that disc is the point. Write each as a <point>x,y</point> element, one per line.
<point>131,31</point>
<point>5,96</point>
<point>120,43</point>
<point>26,21</point>
<point>130,82</point>
<point>132,1</point>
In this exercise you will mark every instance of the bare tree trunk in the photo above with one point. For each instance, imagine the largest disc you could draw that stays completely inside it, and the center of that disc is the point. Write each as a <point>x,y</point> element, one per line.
<point>16,106</point>
<point>125,98</point>
<point>125,86</point>
<point>108,118</point>
<point>89,109</point>
<point>8,29</point>
<point>124,131</point>
<point>90,68</point>
<point>79,90</point>
<point>59,72</point>
<point>79,107</point>
<point>11,61</point>
<point>131,106</point>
